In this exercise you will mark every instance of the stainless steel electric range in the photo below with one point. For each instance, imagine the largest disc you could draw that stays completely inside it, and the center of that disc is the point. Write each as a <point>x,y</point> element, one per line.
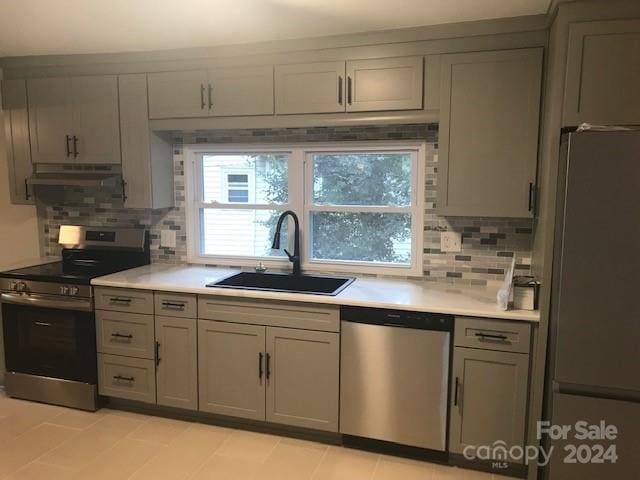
<point>48,318</point>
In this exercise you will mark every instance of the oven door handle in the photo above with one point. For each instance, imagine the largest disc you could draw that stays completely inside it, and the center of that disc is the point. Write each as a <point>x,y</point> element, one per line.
<point>83,305</point>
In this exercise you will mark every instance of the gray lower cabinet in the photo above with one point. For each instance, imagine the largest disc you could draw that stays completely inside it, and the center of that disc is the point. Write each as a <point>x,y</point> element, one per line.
<point>177,362</point>
<point>231,369</point>
<point>126,377</point>
<point>603,73</point>
<point>488,398</point>
<point>489,116</point>
<point>282,375</point>
<point>16,132</point>
<point>303,378</point>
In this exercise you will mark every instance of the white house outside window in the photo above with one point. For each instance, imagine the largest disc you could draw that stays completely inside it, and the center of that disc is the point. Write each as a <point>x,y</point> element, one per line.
<point>360,205</point>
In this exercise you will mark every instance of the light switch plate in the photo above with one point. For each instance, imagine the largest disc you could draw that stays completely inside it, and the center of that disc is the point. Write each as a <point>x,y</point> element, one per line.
<point>450,242</point>
<point>168,238</point>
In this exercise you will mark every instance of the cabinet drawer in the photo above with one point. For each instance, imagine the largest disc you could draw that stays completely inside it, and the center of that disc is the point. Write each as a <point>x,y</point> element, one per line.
<point>499,335</point>
<point>129,334</point>
<point>124,377</point>
<point>176,304</point>
<point>275,314</point>
<point>124,300</point>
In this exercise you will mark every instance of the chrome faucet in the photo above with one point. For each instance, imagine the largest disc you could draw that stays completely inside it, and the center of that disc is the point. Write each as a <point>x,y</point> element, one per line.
<point>295,258</point>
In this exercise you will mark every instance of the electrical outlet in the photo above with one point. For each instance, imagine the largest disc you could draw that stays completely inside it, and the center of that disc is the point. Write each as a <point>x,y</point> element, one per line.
<point>168,238</point>
<point>450,242</point>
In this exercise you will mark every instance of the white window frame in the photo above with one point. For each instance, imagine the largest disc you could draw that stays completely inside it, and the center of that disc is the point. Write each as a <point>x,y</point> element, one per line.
<point>300,201</point>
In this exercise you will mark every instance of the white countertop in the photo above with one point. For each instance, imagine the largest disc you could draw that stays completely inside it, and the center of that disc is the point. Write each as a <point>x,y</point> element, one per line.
<point>364,292</point>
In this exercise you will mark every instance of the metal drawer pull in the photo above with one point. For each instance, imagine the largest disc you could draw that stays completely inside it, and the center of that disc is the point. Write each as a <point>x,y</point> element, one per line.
<point>179,306</point>
<point>490,336</point>
<point>122,335</point>
<point>120,300</point>
<point>268,366</point>
<point>124,379</point>
<point>260,366</point>
<point>43,324</point>
<point>157,353</point>
<point>455,393</point>
<point>68,138</point>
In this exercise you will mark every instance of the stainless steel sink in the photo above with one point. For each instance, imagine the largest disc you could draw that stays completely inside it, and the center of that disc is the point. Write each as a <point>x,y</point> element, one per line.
<point>280,282</point>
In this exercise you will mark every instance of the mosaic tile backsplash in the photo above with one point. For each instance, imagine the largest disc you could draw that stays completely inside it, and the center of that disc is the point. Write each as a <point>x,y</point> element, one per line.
<point>488,247</point>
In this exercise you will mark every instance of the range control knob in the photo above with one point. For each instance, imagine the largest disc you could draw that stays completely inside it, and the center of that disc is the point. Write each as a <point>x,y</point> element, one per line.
<point>64,290</point>
<point>21,287</point>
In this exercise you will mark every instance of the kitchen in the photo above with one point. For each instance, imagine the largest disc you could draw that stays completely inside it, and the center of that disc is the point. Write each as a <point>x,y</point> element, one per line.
<point>320,253</point>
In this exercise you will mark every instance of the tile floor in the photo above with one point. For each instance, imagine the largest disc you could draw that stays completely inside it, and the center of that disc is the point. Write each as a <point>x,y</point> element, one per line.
<point>54,443</point>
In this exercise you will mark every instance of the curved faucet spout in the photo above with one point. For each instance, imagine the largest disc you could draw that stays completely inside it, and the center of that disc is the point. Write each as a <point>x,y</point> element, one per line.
<point>295,258</point>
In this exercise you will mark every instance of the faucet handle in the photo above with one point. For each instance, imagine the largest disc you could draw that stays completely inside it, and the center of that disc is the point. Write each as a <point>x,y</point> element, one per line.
<point>291,257</point>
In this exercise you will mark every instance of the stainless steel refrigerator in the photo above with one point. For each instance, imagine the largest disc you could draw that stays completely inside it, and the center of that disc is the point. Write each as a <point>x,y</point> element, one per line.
<point>593,373</point>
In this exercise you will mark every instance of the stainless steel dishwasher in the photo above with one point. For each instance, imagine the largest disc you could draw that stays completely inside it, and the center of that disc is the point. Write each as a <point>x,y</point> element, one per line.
<point>395,376</point>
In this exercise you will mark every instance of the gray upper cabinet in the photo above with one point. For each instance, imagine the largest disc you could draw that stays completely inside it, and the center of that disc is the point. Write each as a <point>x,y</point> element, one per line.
<point>16,132</point>
<point>489,120</point>
<point>231,363</point>
<point>303,378</point>
<point>240,91</point>
<point>177,362</point>
<point>488,398</point>
<point>310,88</point>
<point>51,120</point>
<point>211,93</point>
<point>96,123</point>
<point>384,84</point>
<point>603,73</point>
<point>178,94</point>
<point>147,159</point>
<point>74,119</point>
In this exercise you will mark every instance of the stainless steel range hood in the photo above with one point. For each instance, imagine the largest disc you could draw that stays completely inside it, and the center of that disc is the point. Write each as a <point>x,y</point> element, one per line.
<point>75,179</point>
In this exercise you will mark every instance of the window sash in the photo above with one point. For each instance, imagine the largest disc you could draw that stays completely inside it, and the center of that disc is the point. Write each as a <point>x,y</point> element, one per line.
<point>300,196</point>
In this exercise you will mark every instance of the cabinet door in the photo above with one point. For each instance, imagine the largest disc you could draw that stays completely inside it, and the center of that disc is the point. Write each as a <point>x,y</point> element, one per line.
<point>16,132</point>
<point>50,120</point>
<point>489,104</point>
<point>178,94</point>
<point>603,73</point>
<point>384,84</point>
<point>177,362</point>
<point>310,88</point>
<point>488,398</point>
<point>96,123</point>
<point>303,378</point>
<point>240,91</point>
<point>231,375</point>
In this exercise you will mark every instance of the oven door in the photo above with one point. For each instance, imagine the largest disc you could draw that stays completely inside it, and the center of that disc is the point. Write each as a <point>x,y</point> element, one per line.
<point>49,336</point>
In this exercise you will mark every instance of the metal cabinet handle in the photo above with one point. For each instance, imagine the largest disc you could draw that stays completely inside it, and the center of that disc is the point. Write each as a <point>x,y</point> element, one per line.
<point>490,336</point>
<point>75,146</point>
<point>202,103</point>
<point>27,195</point>
<point>120,300</point>
<point>43,324</point>
<point>339,90</point>
<point>260,355</point>
<point>268,358</point>
<point>127,336</point>
<point>68,147</point>
<point>531,194</point>
<point>157,353</point>
<point>349,90</point>
<point>124,191</point>
<point>124,379</point>
<point>210,96</point>
<point>455,393</point>
<point>173,305</point>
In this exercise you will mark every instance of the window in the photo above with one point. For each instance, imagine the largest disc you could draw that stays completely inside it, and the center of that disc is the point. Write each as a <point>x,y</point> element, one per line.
<point>360,205</point>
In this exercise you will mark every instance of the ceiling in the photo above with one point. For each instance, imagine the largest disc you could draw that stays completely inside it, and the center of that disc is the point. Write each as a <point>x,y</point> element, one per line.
<point>42,27</point>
